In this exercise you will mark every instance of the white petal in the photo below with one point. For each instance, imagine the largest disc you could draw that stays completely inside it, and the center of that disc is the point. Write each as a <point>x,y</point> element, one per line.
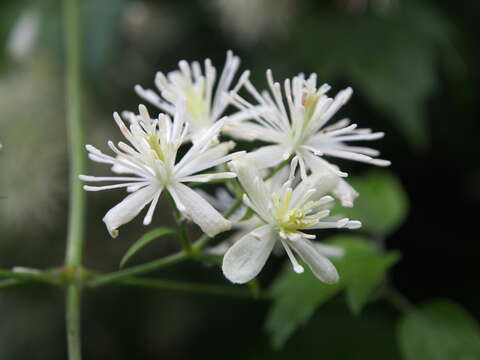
<point>128,208</point>
<point>323,181</point>
<point>323,269</point>
<point>345,193</point>
<point>198,210</point>
<point>204,160</point>
<point>207,177</point>
<point>256,189</point>
<point>246,258</point>
<point>330,251</point>
<point>266,156</point>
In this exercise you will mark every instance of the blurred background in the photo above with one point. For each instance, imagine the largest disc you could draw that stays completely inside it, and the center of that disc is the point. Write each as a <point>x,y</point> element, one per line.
<point>414,69</point>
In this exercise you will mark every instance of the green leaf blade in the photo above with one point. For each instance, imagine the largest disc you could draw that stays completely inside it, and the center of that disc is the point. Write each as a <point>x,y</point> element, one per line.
<point>439,330</point>
<point>382,205</point>
<point>362,269</point>
<point>145,240</point>
<point>296,298</point>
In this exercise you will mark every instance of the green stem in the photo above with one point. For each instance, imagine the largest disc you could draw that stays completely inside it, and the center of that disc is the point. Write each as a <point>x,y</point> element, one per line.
<point>75,134</point>
<point>189,287</point>
<point>208,258</point>
<point>140,269</point>
<point>9,282</point>
<point>29,276</point>
<point>186,246</point>
<point>73,321</point>
<point>73,256</point>
<point>277,168</point>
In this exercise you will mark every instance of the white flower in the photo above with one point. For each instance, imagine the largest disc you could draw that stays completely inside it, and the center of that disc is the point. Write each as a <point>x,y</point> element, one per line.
<point>223,200</point>
<point>204,105</point>
<point>152,158</point>
<point>286,213</point>
<point>298,126</point>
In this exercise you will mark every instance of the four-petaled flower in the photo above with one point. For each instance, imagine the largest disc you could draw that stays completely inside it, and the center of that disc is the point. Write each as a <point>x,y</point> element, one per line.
<point>286,213</point>
<point>204,105</point>
<point>298,125</point>
<point>152,158</point>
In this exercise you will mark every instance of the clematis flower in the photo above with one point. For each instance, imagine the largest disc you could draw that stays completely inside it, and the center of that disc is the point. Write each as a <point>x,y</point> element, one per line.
<point>286,212</point>
<point>204,105</point>
<point>222,200</point>
<point>298,125</point>
<point>151,160</point>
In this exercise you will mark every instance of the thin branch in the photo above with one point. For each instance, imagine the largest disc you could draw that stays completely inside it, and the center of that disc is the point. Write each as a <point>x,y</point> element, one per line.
<point>25,277</point>
<point>197,288</point>
<point>10,282</point>
<point>140,269</point>
<point>186,246</point>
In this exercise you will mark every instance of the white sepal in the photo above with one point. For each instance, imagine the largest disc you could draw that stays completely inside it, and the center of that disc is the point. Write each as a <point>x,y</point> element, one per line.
<point>323,269</point>
<point>345,193</point>
<point>129,207</point>
<point>196,208</point>
<point>246,258</point>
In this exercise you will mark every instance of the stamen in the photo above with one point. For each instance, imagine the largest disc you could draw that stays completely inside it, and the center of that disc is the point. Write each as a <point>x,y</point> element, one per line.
<point>296,266</point>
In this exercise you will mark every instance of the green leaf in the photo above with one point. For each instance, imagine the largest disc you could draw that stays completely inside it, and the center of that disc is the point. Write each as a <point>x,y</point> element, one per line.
<point>382,205</point>
<point>439,330</point>
<point>296,297</point>
<point>361,269</point>
<point>144,240</point>
<point>395,76</point>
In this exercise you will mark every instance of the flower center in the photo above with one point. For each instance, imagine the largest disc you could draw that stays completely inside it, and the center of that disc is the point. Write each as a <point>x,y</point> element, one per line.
<point>290,220</point>
<point>197,107</point>
<point>309,102</point>
<point>155,144</point>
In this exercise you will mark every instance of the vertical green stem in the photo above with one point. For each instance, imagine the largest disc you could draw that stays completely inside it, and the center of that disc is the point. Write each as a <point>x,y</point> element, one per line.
<point>186,246</point>
<point>73,321</point>
<point>73,257</point>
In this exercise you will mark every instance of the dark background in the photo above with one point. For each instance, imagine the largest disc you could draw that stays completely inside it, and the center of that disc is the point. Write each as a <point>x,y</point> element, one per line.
<point>414,69</point>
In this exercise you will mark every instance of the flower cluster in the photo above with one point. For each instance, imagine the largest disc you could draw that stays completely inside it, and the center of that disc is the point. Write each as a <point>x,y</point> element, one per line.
<point>285,185</point>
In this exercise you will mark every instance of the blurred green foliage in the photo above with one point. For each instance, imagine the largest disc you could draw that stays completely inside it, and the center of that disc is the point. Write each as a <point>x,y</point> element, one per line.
<point>439,330</point>
<point>382,205</point>
<point>296,297</point>
<point>395,65</point>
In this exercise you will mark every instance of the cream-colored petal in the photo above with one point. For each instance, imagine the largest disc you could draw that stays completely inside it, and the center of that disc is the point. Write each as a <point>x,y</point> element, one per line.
<point>129,207</point>
<point>204,160</point>
<point>203,178</point>
<point>266,156</point>
<point>196,208</point>
<point>246,258</point>
<point>323,181</point>
<point>321,267</point>
<point>345,193</point>
<point>256,189</point>
<point>330,251</point>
